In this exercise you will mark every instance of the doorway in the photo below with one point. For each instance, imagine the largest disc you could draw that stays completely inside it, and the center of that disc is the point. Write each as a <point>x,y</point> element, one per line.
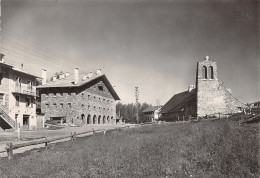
<point>26,119</point>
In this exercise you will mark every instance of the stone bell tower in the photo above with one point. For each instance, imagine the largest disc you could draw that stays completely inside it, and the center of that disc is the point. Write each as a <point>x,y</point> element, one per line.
<point>212,96</point>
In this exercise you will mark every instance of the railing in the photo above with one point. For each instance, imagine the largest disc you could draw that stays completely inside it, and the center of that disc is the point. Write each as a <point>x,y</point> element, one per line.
<point>24,89</point>
<point>7,118</point>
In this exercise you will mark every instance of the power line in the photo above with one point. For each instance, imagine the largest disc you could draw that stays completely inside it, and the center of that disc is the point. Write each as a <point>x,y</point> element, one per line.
<point>30,49</point>
<point>22,38</point>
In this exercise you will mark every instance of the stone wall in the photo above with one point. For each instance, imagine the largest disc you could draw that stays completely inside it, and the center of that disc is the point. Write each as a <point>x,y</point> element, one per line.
<point>213,97</point>
<point>79,105</point>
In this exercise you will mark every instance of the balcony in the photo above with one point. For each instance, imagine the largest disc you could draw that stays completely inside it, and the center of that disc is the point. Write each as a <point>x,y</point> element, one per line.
<point>24,90</point>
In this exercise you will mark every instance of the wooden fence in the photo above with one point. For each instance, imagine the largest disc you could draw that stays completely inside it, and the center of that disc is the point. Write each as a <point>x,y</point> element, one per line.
<point>10,147</point>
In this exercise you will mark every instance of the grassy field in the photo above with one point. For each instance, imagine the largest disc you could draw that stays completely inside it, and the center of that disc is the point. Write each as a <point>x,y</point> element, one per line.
<point>220,148</point>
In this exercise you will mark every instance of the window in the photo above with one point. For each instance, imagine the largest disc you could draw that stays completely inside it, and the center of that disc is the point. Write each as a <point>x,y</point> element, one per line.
<point>100,88</point>
<point>29,85</point>
<point>82,105</point>
<point>82,94</point>
<point>18,81</point>
<point>2,99</point>
<point>47,105</point>
<point>211,76</point>
<point>28,102</point>
<point>61,94</point>
<point>204,72</point>
<point>89,97</point>
<point>54,94</point>
<point>1,77</point>
<point>17,98</point>
<point>89,107</point>
<point>61,105</point>
<point>54,105</point>
<point>69,93</point>
<point>69,105</point>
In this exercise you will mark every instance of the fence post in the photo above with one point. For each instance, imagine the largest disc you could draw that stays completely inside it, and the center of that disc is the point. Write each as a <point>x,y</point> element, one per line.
<point>18,132</point>
<point>10,151</point>
<point>72,138</point>
<point>93,131</point>
<point>46,144</point>
<point>75,134</point>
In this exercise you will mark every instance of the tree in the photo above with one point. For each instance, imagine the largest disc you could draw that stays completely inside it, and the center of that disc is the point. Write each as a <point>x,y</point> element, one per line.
<point>128,111</point>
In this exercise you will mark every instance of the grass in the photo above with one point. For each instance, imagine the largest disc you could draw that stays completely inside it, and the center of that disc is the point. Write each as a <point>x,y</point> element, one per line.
<point>220,148</point>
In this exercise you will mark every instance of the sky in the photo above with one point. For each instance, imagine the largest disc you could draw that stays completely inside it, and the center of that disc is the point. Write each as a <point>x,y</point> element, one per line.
<point>151,44</point>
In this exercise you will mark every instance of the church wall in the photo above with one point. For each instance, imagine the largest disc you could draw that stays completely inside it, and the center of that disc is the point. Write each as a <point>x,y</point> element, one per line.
<point>213,97</point>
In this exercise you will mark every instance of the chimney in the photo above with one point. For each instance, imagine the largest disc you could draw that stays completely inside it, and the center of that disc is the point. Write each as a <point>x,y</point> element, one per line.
<point>61,76</point>
<point>84,77</point>
<point>90,75</point>
<point>67,74</point>
<point>54,78</point>
<point>44,76</point>
<point>76,76</point>
<point>99,71</point>
<point>191,87</point>
<point>2,57</point>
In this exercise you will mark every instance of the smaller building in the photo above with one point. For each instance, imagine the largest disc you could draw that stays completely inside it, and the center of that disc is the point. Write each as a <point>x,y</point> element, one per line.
<point>181,106</point>
<point>17,97</point>
<point>151,114</point>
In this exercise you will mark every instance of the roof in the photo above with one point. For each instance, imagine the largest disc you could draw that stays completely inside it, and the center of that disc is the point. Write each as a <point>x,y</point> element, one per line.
<point>151,108</point>
<point>17,69</point>
<point>69,82</point>
<point>178,100</point>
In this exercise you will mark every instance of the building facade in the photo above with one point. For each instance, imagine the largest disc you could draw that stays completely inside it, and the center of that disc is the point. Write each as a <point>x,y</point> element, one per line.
<point>79,99</point>
<point>17,97</point>
<point>207,98</point>
<point>151,114</point>
<point>212,96</point>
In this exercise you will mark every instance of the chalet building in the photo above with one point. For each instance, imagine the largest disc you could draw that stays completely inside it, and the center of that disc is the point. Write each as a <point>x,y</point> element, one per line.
<point>17,97</point>
<point>78,99</point>
<point>151,114</point>
<point>209,97</point>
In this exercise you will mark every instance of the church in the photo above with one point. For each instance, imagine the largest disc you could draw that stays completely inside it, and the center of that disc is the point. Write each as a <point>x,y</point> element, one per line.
<point>209,97</point>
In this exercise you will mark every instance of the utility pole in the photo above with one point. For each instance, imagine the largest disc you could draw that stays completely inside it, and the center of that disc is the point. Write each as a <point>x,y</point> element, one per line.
<point>136,97</point>
<point>158,103</point>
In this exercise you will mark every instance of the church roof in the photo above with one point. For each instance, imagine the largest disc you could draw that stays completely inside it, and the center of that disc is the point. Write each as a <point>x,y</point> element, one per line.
<point>178,100</point>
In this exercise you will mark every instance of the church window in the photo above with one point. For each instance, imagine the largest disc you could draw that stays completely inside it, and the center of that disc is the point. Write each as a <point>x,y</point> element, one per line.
<point>204,72</point>
<point>211,76</point>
